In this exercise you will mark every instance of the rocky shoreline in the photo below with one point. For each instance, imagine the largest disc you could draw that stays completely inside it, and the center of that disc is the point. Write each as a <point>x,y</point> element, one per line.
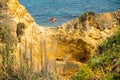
<point>54,52</point>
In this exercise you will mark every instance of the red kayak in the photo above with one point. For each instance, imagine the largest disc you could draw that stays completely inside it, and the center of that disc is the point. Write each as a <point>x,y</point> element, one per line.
<point>52,20</point>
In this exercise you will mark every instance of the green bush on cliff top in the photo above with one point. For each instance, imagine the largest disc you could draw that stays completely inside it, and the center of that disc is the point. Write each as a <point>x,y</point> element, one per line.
<point>86,15</point>
<point>105,65</point>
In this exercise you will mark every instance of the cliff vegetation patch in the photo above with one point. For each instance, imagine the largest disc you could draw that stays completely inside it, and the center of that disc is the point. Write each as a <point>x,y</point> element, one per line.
<point>105,65</point>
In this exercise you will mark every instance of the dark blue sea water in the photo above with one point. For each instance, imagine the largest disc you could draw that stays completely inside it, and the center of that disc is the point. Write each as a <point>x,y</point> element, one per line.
<point>64,10</point>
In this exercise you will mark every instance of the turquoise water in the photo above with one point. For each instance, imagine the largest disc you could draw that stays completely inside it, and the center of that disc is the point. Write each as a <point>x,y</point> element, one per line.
<point>64,10</point>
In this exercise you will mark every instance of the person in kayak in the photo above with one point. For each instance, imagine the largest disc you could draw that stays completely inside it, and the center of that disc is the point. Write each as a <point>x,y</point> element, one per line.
<point>52,20</point>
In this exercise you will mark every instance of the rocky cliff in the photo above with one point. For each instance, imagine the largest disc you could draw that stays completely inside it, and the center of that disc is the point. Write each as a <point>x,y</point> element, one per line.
<point>54,52</point>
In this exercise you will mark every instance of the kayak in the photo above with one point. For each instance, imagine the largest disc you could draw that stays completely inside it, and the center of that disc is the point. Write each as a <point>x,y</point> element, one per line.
<point>52,20</point>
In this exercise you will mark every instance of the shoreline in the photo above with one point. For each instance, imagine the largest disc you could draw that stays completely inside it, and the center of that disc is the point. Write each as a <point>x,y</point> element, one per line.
<point>56,24</point>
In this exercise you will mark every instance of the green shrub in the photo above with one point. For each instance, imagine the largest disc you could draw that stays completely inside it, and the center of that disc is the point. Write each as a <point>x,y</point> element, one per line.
<point>84,16</point>
<point>111,43</point>
<point>85,73</point>
<point>20,28</point>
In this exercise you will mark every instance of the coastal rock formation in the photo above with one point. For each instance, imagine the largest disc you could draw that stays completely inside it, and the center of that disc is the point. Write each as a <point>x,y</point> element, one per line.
<point>55,52</point>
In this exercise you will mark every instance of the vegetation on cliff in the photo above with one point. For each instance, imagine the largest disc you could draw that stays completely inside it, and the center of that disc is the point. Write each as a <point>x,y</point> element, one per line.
<point>31,52</point>
<point>6,51</point>
<point>105,65</point>
<point>20,30</point>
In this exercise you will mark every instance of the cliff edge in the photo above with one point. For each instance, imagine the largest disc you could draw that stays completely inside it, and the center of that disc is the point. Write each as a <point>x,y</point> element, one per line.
<point>50,52</point>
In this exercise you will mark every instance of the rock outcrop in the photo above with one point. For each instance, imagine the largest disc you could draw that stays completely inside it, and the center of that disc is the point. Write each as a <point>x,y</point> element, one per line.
<point>58,52</point>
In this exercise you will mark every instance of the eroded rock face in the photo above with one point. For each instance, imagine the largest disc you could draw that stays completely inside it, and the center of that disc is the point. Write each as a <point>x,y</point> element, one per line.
<point>59,51</point>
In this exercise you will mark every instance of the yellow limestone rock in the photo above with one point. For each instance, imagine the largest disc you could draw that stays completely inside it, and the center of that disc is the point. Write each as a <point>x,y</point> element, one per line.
<point>59,51</point>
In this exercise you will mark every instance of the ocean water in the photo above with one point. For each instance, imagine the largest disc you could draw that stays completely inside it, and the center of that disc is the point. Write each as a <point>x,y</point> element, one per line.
<point>65,10</point>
